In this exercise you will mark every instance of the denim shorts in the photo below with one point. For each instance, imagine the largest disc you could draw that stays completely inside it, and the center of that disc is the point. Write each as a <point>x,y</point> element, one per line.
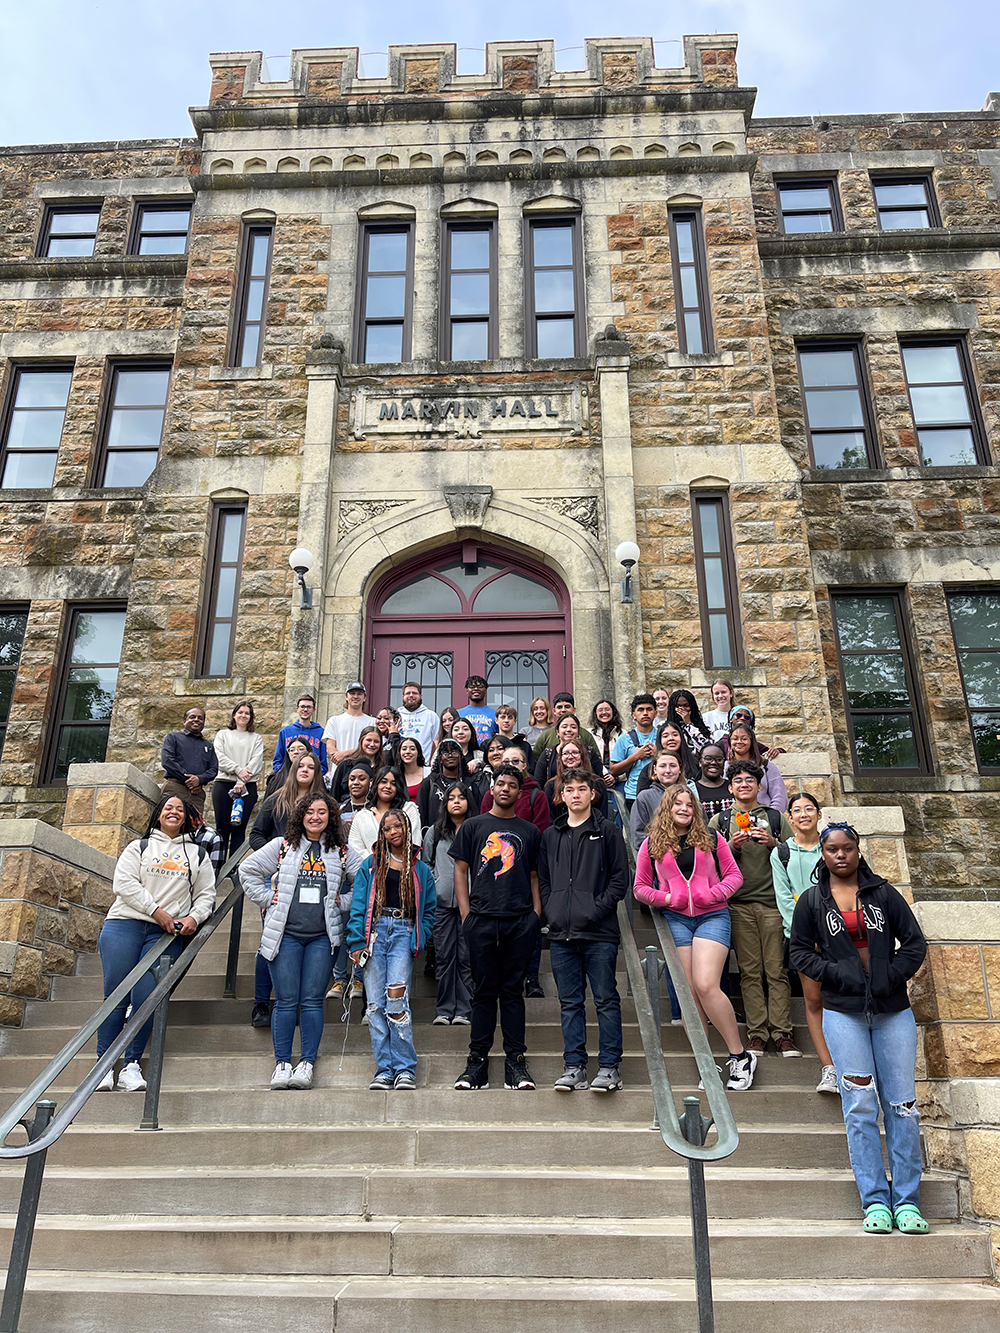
<point>709,926</point>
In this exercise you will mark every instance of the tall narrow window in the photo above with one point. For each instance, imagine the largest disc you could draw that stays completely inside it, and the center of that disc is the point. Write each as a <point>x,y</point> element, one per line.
<point>975,620</point>
<point>133,424</point>
<point>385,316</point>
<point>69,230</point>
<point>222,590</point>
<point>877,676</point>
<point>809,205</point>
<point>555,288</point>
<point>716,569</point>
<point>251,298</point>
<point>687,245</point>
<point>86,689</point>
<point>34,422</point>
<point>836,405</point>
<point>13,622</point>
<point>161,229</point>
<point>470,292</point>
<point>945,413</point>
<point>905,202</point>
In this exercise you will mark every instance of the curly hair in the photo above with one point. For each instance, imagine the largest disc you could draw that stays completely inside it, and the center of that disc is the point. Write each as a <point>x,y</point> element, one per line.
<point>665,836</point>
<point>380,866</point>
<point>333,835</point>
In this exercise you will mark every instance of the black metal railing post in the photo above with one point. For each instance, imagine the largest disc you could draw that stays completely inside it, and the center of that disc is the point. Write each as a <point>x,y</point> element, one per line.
<point>24,1227</point>
<point>695,1127</point>
<point>233,956</point>
<point>154,1074</point>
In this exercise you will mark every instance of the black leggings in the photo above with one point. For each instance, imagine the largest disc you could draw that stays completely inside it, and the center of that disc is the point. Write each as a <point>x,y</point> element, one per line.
<point>232,835</point>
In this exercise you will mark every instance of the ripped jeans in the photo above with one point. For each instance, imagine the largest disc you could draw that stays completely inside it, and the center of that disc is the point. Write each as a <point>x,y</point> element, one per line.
<point>390,966</point>
<point>884,1052</point>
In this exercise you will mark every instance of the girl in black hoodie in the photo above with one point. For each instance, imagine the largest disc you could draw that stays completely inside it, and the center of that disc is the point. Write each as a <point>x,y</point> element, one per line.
<point>855,934</point>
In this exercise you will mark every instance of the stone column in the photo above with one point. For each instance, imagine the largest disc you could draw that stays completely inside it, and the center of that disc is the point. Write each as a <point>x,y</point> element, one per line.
<point>108,805</point>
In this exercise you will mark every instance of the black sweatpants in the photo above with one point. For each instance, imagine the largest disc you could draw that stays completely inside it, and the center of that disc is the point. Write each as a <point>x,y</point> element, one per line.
<point>500,948</point>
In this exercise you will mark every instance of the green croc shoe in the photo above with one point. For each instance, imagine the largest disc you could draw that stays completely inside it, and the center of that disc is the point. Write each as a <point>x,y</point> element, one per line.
<point>878,1220</point>
<point>910,1222</point>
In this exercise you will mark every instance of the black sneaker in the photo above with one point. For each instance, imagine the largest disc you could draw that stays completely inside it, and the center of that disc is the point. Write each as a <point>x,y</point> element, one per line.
<point>476,1073</point>
<point>533,990</point>
<point>517,1075</point>
<point>261,1016</point>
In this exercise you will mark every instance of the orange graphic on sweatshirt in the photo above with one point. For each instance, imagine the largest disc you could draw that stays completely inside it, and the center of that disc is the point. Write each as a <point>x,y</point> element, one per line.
<point>503,845</point>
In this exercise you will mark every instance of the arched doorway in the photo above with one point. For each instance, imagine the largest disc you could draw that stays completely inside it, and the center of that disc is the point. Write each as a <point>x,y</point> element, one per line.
<point>469,609</point>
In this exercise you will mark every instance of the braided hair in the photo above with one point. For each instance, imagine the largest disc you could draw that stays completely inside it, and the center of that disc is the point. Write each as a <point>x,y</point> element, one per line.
<point>380,866</point>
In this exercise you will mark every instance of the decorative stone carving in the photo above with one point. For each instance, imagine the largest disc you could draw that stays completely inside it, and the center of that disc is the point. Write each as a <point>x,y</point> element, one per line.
<point>468,504</point>
<point>355,512</point>
<point>579,509</point>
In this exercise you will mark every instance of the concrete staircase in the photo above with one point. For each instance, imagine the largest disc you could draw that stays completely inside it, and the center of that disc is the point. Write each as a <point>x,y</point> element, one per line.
<point>359,1211</point>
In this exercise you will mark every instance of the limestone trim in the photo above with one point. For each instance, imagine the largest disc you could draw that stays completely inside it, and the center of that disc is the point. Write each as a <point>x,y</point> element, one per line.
<point>61,846</point>
<point>352,513</point>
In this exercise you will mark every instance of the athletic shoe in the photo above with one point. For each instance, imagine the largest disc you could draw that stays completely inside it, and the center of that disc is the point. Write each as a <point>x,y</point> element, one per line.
<point>476,1073</point>
<point>440,1021</point>
<point>701,1081</point>
<point>131,1079</point>
<point>533,990</point>
<point>677,1022</point>
<point>381,1083</point>
<point>571,1078</point>
<point>517,1075</point>
<point>405,1083</point>
<point>757,1045</point>
<point>107,1083</point>
<point>461,1021</point>
<point>280,1077</point>
<point>302,1075</point>
<point>741,1071</point>
<point>261,1016</point>
<point>336,990</point>
<point>608,1080</point>
<point>828,1081</point>
<point>357,989</point>
<point>786,1047</point>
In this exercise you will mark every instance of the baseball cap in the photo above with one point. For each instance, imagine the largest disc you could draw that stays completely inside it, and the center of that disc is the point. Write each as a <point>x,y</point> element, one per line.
<point>356,685</point>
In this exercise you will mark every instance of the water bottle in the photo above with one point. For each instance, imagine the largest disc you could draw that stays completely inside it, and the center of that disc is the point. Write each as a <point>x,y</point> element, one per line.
<point>236,815</point>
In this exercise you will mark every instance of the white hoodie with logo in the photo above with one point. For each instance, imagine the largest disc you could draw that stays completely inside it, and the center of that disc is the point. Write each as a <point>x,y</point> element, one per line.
<point>423,725</point>
<point>167,873</point>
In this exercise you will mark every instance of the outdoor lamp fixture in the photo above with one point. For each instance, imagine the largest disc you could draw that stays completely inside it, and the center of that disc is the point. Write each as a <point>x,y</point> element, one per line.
<point>627,555</point>
<point>302,561</point>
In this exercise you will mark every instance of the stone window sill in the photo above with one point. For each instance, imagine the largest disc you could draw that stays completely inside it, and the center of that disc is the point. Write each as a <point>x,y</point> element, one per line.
<point>821,476</point>
<point>676,360</point>
<point>72,494</point>
<point>219,374</point>
<point>502,366</point>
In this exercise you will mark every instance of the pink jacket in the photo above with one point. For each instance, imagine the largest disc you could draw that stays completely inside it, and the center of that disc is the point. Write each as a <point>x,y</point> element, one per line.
<point>706,892</point>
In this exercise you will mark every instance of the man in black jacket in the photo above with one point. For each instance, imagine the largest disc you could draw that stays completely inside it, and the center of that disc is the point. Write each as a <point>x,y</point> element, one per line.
<point>189,760</point>
<point>582,877</point>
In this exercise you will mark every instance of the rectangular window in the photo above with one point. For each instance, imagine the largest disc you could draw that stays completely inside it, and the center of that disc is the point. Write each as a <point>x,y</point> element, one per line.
<point>877,676</point>
<point>555,288</point>
<point>87,685</point>
<point>161,229</point>
<point>840,427</point>
<point>905,202</point>
<point>470,298</point>
<point>809,205</point>
<point>69,229</point>
<point>133,424</point>
<point>222,591</point>
<point>33,426</point>
<point>13,622</point>
<point>385,314</point>
<point>945,411</point>
<point>251,296</point>
<point>691,293</point>
<point>975,621</point>
<point>716,569</point>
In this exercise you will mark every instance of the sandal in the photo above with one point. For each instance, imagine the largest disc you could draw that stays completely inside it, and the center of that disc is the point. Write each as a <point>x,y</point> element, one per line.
<point>878,1220</point>
<point>910,1222</point>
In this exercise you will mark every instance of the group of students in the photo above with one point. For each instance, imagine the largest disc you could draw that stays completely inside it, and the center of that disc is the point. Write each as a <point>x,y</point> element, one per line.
<point>352,890</point>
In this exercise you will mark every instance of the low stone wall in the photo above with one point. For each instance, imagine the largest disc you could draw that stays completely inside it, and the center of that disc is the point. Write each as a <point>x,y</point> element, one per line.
<point>108,805</point>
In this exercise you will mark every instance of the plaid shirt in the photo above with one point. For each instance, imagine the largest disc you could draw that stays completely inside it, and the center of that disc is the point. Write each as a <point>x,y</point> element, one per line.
<point>212,844</point>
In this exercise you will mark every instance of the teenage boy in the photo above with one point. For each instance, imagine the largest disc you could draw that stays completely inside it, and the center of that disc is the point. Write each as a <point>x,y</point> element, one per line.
<point>496,889</point>
<point>340,735</point>
<point>303,726</point>
<point>561,705</point>
<point>478,712</point>
<point>189,761</point>
<point>753,830</point>
<point>582,877</point>
<point>417,720</point>
<point>634,750</point>
<point>507,728</point>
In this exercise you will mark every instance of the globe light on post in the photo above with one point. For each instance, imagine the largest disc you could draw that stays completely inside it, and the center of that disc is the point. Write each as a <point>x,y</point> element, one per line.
<point>627,555</point>
<point>301,562</point>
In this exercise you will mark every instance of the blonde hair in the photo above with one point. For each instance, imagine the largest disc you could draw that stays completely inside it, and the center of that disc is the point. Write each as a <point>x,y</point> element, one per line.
<point>665,836</point>
<point>540,699</point>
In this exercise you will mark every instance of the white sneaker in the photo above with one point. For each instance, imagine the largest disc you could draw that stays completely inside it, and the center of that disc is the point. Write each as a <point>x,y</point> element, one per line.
<point>440,1020</point>
<point>302,1076</point>
<point>828,1081</point>
<point>107,1083</point>
<point>281,1076</point>
<point>741,1071</point>
<point>131,1079</point>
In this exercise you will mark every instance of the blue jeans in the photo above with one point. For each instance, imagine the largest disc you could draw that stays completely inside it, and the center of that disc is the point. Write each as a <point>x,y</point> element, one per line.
<point>300,974</point>
<point>885,1052</point>
<point>390,964</point>
<point>121,944</point>
<point>575,963</point>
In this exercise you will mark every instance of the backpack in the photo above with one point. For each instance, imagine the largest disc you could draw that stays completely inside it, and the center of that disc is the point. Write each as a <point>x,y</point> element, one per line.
<point>773,819</point>
<point>784,854</point>
<point>202,853</point>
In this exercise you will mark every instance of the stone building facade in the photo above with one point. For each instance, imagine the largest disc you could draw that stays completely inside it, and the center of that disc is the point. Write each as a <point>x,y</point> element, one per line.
<point>641,274</point>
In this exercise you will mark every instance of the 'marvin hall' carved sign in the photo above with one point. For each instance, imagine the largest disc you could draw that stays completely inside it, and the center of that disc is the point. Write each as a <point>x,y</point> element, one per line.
<point>403,412</point>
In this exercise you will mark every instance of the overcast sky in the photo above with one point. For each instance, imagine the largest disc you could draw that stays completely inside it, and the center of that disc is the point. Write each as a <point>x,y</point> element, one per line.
<point>129,69</point>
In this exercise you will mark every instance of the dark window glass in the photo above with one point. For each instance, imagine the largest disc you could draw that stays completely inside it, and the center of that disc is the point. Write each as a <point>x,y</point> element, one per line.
<point>810,205</point>
<point>70,231</point>
<point>716,571</point>
<point>34,425</point>
<point>386,293</point>
<point>87,691</point>
<point>947,426</point>
<point>162,229</point>
<point>134,424</point>
<point>835,406</point>
<point>554,288</point>
<point>222,588</point>
<point>975,619</point>
<point>691,292</point>
<point>252,297</point>
<point>904,202</point>
<point>877,679</point>
<point>12,627</point>
<point>470,297</point>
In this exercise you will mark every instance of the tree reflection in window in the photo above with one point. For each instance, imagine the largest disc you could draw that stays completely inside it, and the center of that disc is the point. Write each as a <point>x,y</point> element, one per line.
<point>88,692</point>
<point>878,690</point>
<point>975,619</point>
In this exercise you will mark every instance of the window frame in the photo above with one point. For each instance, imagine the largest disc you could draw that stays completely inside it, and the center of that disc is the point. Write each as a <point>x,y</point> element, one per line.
<point>975,424</point>
<point>449,227</point>
<point>530,222</point>
<point>916,709</point>
<point>830,180</point>
<point>361,322</point>
<point>924,178</point>
<point>13,609</point>
<point>239,324</point>
<point>58,699</point>
<point>148,206</point>
<point>55,209</point>
<point>210,588</point>
<point>692,213</point>
<point>734,616</point>
<point>961,590</point>
<point>17,368</point>
<point>857,347</point>
<point>107,411</point>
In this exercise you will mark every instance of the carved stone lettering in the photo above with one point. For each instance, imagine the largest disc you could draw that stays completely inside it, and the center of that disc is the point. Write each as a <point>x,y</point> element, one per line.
<point>386,411</point>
